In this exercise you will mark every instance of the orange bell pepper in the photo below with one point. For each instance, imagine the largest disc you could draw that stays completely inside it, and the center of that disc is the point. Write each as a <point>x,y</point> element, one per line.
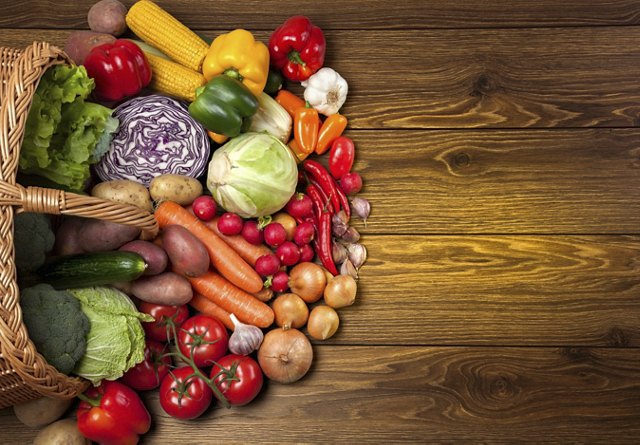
<point>306,123</point>
<point>289,102</point>
<point>331,129</point>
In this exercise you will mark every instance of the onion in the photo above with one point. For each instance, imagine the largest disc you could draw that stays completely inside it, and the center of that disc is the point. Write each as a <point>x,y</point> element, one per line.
<point>287,221</point>
<point>290,311</point>
<point>285,355</point>
<point>323,322</point>
<point>341,291</point>
<point>308,281</point>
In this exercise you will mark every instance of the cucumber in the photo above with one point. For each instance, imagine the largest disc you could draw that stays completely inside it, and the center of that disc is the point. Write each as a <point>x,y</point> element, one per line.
<point>92,269</point>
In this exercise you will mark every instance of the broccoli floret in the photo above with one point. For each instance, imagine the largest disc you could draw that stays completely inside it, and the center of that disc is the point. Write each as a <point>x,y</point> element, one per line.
<point>56,324</point>
<point>33,239</point>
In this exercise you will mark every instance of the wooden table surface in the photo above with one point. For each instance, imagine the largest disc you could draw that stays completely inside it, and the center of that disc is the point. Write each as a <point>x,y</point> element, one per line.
<point>500,146</point>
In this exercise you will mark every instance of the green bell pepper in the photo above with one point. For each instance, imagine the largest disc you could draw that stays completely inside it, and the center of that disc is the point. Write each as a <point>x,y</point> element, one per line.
<point>222,105</point>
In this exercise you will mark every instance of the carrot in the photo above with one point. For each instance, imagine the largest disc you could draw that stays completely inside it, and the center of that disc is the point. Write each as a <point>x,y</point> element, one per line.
<point>245,306</point>
<point>223,258</point>
<point>208,307</point>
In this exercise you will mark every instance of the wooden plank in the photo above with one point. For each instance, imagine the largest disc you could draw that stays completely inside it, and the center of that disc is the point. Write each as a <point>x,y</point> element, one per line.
<point>496,290</point>
<point>507,181</point>
<point>475,78</point>
<point>417,394</point>
<point>352,14</point>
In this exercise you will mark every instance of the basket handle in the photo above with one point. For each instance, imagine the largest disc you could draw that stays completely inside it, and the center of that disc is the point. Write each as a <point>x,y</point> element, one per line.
<point>59,202</point>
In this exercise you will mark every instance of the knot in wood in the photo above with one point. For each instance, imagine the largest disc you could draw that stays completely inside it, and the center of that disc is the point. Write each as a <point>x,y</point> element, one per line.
<point>501,388</point>
<point>484,85</point>
<point>461,160</point>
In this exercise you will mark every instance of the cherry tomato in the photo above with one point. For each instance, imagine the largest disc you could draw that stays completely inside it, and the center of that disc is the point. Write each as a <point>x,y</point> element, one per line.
<point>204,339</point>
<point>184,395</point>
<point>149,373</point>
<point>244,379</point>
<point>341,156</point>
<point>158,330</point>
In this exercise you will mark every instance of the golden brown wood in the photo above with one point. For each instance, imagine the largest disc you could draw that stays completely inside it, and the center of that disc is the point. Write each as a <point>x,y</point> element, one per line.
<point>425,394</point>
<point>496,290</point>
<point>565,77</point>
<point>349,14</point>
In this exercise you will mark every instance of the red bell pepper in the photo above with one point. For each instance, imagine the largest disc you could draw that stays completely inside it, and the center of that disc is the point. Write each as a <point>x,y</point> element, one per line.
<point>120,69</point>
<point>112,414</point>
<point>297,48</point>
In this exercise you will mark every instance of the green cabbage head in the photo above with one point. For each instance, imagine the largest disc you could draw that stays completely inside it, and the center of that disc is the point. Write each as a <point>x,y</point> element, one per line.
<point>252,175</point>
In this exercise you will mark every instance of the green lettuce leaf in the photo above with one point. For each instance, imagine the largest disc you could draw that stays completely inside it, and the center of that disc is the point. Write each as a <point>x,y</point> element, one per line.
<point>62,130</point>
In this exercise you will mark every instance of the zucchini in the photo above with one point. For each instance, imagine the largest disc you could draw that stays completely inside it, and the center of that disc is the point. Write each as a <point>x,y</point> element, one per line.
<point>92,269</point>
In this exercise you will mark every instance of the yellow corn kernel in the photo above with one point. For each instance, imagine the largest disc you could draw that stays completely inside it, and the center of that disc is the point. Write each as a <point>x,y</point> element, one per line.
<point>158,28</point>
<point>174,79</point>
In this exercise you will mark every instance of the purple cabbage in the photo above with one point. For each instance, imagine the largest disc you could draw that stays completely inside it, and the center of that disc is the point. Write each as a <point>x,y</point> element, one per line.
<point>156,135</point>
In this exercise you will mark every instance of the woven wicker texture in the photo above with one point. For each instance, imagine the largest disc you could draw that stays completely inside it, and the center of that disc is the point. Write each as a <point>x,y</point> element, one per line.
<point>24,374</point>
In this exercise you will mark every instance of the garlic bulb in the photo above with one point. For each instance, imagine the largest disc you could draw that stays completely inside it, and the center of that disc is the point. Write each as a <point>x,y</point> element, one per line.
<point>245,338</point>
<point>326,91</point>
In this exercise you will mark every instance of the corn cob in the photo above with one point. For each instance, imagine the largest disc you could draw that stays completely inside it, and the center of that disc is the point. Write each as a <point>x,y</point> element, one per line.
<point>158,28</point>
<point>174,79</point>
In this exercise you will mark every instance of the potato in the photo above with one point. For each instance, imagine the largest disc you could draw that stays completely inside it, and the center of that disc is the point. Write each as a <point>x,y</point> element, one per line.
<point>155,257</point>
<point>187,254</point>
<point>80,43</point>
<point>62,432</point>
<point>99,236</point>
<point>124,191</point>
<point>40,412</point>
<point>178,188</point>
<point>168,288</point>
<point>108,16</point>
<point>67,241</point>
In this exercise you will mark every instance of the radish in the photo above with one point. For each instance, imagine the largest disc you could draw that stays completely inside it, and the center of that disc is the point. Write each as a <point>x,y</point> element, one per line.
<point>267,265</point>
<point>288,253</point>
<point>280,282</point>
<point>252,233</point>
<point>274,234</point>
<point>303,234</point>
<point>299,206</point>
<point>204,207</point>
<point>230,224</point>
<point>351,183</point>
<point>306,253</point>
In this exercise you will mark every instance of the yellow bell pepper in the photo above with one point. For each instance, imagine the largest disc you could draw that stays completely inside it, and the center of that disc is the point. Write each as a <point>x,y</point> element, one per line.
<point>239,55</point>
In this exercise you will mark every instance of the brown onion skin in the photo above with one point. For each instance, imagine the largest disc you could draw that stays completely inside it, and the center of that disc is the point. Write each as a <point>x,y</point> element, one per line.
<point>290,311</point>
<point>341,291</point>
<point>288,222</point>
<point>307,280</point>
<point>323,322</point>
<point>285,356</point>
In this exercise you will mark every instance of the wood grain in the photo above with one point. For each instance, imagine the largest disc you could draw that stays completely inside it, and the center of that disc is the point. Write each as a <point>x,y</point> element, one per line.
<point>508,181</point>
<point>566,77</point>
<point>496,290</point>
<point>418,394</point>
<point>351,14</point>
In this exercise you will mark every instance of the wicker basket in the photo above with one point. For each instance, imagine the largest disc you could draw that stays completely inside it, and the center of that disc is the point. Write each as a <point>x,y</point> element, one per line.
<point>24,374</point>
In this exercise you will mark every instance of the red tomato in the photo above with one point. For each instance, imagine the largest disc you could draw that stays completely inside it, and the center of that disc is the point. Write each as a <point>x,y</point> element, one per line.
<point>149,373</point>
<point>184,395</point>
<point>244,379</point>
<point>204,339</point>
<point>341,156</point>
<point>158,330</point>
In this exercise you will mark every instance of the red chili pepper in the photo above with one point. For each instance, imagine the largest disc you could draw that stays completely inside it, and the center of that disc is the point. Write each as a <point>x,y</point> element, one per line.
<point>342,197</point>
<point>297,48</point>
<point>341,156</point>
<point>319,203</point>
<point>325,198</point>
<point>320,174</point>
<point>324,248</point>
<point>112,414</point>
<point>120,69</point>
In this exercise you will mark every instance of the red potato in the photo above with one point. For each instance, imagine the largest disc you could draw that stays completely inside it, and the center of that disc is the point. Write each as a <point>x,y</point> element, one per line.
<point>80,43</point>
<point>187,254</point>
<point>108,16</point>
<point>168,288</point>
<point>155,257</point>
<point>100,236</point>
<point>67,242</point>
